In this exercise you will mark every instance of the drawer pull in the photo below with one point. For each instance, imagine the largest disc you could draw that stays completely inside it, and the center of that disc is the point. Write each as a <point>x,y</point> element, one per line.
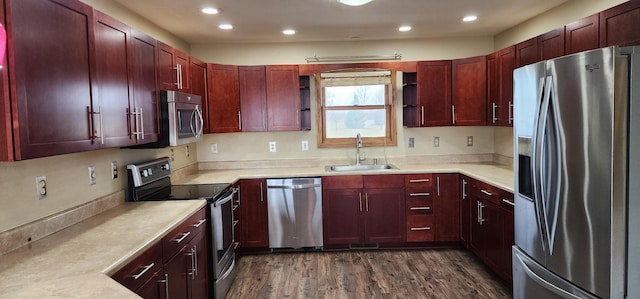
<point>420,194</point>
<point>420,208</point>
<point>486,192</point>
<point>420,228</point>
<point>419,181</point>
<point>144,270</point>
<point>508,202</point>
<point>199,223</point>
<point>184,236</point>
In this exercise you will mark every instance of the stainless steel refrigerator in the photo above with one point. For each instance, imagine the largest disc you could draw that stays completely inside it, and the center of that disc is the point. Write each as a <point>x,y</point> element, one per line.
<point>577,169</point>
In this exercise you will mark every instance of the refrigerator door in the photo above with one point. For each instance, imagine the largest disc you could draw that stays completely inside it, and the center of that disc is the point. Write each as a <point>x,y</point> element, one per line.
<point>574,169</point>
<point>534,281</point>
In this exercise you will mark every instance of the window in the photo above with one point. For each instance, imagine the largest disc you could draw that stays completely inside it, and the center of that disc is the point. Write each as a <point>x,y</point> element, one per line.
<point>352,102</point>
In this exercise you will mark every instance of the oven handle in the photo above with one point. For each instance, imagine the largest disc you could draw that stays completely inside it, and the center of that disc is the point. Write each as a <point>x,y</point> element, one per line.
<point>226,199</point>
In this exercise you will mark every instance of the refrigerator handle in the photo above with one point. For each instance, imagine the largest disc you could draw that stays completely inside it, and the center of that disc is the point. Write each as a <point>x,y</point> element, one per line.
<point>536,156</point>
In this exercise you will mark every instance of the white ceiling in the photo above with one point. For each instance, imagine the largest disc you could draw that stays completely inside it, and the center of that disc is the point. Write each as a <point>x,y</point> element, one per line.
<point>328,20</point>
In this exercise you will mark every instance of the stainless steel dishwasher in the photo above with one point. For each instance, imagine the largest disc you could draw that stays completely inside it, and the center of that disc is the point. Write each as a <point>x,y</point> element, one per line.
<point>295,213</point>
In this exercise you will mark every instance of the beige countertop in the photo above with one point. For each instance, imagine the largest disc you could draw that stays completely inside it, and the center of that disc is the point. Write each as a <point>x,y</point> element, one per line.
<point>76,262</point>
<point>497,175</point>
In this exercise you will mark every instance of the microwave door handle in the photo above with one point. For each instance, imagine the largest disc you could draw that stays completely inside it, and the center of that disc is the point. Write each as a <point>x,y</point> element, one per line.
<point>191,123</point>
<point>179,121</point>
<point>200,124</point>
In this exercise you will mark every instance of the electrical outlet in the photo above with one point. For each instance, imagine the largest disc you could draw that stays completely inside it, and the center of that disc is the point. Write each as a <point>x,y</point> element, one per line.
<point>41,186</point>
<point>214,148</point>
<point>469,140</point>
<point>92,175</point>
<point>305,145</point>
<point>436,141</point>
<point>272,146</point>
<point>114,170</point>
<point>172,156</point>
<point>186,151</point>
<point>411,142</point>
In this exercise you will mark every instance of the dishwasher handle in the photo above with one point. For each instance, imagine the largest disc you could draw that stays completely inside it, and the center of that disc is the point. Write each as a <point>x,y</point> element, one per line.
<point>294,186</point>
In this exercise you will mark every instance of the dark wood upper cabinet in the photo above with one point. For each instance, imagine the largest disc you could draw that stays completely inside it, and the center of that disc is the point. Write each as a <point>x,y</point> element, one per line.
<point>173,68</point>
<point>51,109</point>
<point>253,98</point>
<point>145,89</point>
<point>198,86</point>
<point>619,25</point>
<point>224,99</point>
<point>434,93</point>
<point>527,52</point>
<point>551,44</point>
<point>582,35</point>
<point>500,66</point>
<point>283,98</point>
<point>182,63</point>
<point>469,91</point>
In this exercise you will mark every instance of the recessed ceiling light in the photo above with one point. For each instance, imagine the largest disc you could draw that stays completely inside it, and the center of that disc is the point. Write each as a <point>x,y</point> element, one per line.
<point>354,2</point>
<point>288,32</point>
<point>225,26</point>
<point>470,18</point>
<point>210,10</point>
<point>404,28</point>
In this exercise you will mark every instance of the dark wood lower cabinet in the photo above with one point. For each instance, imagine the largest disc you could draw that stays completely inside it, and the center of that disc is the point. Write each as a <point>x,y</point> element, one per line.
<point>446,208</point>
<point>155,287</point>
<point>384,218</point>
<point>465,211</point>
<point>341,216</point>
<point>253,210</point>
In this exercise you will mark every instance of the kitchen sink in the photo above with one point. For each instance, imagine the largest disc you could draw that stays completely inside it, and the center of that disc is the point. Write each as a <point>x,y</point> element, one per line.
<point>361,167</point>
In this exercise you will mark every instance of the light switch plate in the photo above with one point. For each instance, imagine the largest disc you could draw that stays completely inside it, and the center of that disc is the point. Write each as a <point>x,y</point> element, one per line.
<point>214,148</point>
<point>41,186</point>
<point>114,170</point>
<point>436,141</point>
<point>411,142</point>
<point>305,145</point>
<point>92,175</point>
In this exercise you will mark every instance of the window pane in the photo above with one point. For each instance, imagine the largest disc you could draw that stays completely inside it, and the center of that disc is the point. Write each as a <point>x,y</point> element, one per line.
<point>354,95</point>
<point>348,123</point>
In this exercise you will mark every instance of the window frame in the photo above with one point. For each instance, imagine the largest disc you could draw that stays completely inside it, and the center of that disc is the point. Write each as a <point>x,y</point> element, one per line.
<point>391,133</point>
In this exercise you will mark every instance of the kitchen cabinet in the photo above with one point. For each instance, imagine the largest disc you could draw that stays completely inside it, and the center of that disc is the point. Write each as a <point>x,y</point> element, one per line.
<point>446,208</point>
<point>253,209</point>
<point>469,91</point>
<point>465,211</point>
<point>6,140</point>
<point>410,109</point>
<point>173,68</point>
<point>305,103</point>
<point>224,98</point>
<point>508,237</point>
<point>155,287</point>
<point>527,52</point>
<point>144,275</point>
<point>253,98</point>
<point>500,66</point>
<point>145,89</point>
<point>363,209</point>
<point>582,35</point>
<point>198,86</point>
<point>237,216</point>
<point>283,98</point>
<point>619,25</point>
<point>551,44</point>
<point>431,103</point>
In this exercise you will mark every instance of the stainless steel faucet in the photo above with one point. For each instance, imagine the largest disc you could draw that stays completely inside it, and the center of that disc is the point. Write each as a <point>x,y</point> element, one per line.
<point>358,146</point>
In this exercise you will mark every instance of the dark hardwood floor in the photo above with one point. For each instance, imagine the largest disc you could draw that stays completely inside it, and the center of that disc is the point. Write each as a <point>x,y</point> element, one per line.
<point>437,273</point>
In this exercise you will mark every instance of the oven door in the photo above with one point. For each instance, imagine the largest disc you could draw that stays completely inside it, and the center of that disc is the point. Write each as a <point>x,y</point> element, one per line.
<point>185,121</point>
<point>222,241</point>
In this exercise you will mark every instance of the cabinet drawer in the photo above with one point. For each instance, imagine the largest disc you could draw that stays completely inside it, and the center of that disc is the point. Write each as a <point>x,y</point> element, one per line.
<point>424,192</point>
<point>384,181</point>
<point>506,200</point>
<point>420,228</point>
<point>418,180</point>
<point>342,182</point>
<point>486,192</point>
<point>423,206</point>
<point>141,269</point>
<point>182,234</point>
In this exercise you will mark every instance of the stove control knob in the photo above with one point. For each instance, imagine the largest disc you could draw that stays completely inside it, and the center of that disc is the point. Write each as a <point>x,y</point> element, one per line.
<point>166,166</point>
<point>145,173</point>
<point>150,171</point>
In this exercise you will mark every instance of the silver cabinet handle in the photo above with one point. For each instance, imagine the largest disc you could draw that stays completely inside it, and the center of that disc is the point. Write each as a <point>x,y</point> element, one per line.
<point>144,270</point>
<point>200,222</point>
<point>360,200</point>
<point>184,236</point>
<point>141,124</point>
<point>453,114</point>
<point>100,121</point>
<point>261,192</point>
<point>420,194</point>
<point>422,114</point>
<point>166,285</point>
<point>178,69</point>
<point>493,112</point>
<point>420,208</point>
<point>464,189</point>
<point>101,124</point>
<point>486,192</point>
<point>438,185</point>
<point>240,120</point>
<point>419,181</point>
<point>195,261</point>
<point>510,112</point>
<point>482,220</point>
<point>420,228</point>
<point>478,212</point>
<point>511,203</point>
<point>366,198</point>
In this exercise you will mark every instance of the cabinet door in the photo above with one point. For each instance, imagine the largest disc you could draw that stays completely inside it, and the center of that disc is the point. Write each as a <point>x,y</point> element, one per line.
<point>507,62</point>
<point>51,108</point>
<point>237,216</point>
<point>255,230</point>
<point>493,88</point>
<point>182,63</point>
<point>491,219</point>
<point>469,90</point>
<point>619,25</point>
<point>446,207</point>
<point>476,233</point>
<point>145,88</point>
<point>224,99</point>
<point>198,261</point>
<point>113,85</point>
<point>253,98</point>
<point>177,275</point>
<point>198,84</point>
<point>6,140</point>
<point>341,216</point>
<point>465,212</point>
<point>551,44</point>
<point>167,72</point>
<point>283,98</point>
<point>508,237</point>
<point>582,35</point>
<point>154,288</point>
<point>434,91</point>
<point>527,52</point>
<point>384,215</point>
